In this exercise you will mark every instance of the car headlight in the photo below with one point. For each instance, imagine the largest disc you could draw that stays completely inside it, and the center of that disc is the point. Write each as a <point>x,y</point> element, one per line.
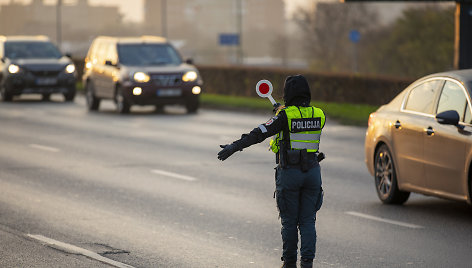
<point>189,76</point>
<point>70,68</point>
<point>141,77</point>
<point>137,91</point>
<point>13,68</point>
<point>196,90</point>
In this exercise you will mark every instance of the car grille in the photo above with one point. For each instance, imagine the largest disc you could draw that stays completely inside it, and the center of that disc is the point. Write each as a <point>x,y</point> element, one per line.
<point>45,73</point>
<point>167,80</point>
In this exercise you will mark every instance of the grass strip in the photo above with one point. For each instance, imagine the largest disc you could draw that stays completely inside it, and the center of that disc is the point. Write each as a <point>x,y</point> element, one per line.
<point>344,113</point>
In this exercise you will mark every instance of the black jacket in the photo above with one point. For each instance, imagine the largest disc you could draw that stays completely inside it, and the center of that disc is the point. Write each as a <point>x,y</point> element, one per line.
<point>296,92</point>
<point>273,126</point>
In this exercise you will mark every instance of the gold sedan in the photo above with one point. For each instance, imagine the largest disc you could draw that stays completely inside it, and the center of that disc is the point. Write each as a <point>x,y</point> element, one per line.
<point>422,140</point>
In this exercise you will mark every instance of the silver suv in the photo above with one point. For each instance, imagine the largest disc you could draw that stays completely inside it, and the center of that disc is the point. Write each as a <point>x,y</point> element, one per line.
<point>145,70</point>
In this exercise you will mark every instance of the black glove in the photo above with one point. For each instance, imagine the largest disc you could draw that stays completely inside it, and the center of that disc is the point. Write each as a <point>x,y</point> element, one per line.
<point>320,156</point>
<point>227,151</point>
<point>276,107</point>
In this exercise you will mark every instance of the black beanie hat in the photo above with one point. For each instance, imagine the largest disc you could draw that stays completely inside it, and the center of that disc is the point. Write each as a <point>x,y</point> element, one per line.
<point>296,91</point>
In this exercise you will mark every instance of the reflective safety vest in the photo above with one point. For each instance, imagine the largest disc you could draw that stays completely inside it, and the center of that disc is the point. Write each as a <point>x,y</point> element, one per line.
<point>304,125</point>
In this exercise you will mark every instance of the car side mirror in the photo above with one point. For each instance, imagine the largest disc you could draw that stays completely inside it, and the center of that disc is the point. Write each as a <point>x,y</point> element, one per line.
<point>109,63</point>
<point>68,55</point>
<point>189,61</point>
<point>3,59</point>
<point>450,117</point>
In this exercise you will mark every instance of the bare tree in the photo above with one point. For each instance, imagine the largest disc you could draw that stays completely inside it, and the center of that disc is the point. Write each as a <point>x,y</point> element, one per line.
<point>419,42</point>
<point>326,30</point>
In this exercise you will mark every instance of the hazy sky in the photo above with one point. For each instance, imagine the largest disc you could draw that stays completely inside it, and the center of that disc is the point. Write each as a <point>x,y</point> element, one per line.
<point>133,9</point>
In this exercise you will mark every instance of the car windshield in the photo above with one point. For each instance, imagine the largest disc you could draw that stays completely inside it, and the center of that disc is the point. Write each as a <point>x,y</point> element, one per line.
<point>31,50</point>
<point>148,54</point>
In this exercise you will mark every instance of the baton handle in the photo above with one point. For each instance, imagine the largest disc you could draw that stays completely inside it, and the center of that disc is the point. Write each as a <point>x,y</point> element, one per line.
<point>272,100</point>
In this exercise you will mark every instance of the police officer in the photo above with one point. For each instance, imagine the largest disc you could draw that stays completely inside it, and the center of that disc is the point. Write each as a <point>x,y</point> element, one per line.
<point>297,128</point>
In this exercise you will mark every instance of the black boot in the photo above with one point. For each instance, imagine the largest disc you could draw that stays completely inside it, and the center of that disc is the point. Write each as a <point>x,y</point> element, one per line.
<point>289,265</point>
<point>306,263</point>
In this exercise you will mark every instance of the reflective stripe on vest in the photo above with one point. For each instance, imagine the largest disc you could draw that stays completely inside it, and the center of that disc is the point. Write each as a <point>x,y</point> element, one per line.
<point>297,145</point>
<point>305,137</point>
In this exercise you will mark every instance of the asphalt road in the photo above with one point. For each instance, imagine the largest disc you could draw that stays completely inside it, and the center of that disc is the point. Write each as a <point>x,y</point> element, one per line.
<point>146,190</point>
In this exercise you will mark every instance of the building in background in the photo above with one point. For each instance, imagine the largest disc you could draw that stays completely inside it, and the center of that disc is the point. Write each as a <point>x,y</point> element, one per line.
<point>195,26</point>
<point>80,22</point>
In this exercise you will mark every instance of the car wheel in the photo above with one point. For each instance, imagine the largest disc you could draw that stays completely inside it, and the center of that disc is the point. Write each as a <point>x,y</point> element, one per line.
<point>46,97</point>
<point>122,105</point>
<point>92,101</point>
<point>5,95</point>
<point>69,96</point>
<point>470,188</point>
<point>386,178</point>
<point>192,107</point>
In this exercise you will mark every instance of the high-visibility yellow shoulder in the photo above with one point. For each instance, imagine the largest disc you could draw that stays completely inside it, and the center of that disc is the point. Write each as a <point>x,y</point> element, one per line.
<point>280,109</point>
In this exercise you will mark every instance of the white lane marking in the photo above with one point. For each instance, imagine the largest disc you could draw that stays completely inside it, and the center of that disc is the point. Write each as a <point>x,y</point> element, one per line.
<point>125,124</point>
<point>173,175</point>
<point>370,217</point>
<point>76,250</point>
<point>45,148</point>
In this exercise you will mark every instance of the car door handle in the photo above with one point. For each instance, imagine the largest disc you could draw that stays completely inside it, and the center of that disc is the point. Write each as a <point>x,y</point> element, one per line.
<point>397,124</point>
<point>430,131</point>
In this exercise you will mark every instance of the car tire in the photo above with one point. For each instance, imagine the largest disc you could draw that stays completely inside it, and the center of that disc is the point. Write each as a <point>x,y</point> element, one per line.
<point>470,188</point>
<point>92,102</point>
<point>386,178</point>
<point>192,106</point>
<point>46,97</point>
<point>6,97</point>
<point>70,95</point>
<point>122,105</point>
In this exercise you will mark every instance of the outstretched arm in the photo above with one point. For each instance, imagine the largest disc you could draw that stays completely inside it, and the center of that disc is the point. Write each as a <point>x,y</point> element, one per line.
<point>257,135</point>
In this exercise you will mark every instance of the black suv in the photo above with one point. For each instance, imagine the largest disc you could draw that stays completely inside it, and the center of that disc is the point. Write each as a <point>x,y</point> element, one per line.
<point>33,65</point>
<point>145,70</point>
